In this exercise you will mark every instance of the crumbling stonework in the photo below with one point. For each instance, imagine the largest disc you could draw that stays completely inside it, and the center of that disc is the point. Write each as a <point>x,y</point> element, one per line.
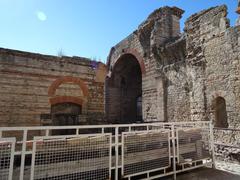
<point>184,73</point>
<point>193,76</point>
<point>31,84</point>
<point>161,27</point>
<point>213,61</point>
<point>154,74</point>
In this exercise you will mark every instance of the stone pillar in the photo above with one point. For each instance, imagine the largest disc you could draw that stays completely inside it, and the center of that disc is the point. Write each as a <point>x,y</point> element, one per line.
<point>161,116</point>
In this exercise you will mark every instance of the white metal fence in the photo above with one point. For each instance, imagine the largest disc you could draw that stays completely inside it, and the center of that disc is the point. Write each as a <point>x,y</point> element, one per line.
<point>139,151</point>
<point>72,157</point>
<point>7,146</point>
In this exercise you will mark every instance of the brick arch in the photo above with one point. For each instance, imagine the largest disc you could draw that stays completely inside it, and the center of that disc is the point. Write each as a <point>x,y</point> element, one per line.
<point>52,89</point>
<point>137,55</point>
<point>66,99</point>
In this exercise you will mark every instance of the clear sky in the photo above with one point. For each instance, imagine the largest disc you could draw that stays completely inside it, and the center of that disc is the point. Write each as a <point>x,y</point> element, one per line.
<point>87,28</point>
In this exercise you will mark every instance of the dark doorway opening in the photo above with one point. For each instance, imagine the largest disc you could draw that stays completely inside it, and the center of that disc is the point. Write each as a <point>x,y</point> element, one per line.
<point>124,91</point>
<point>221,119</point>
<point>65,114</point>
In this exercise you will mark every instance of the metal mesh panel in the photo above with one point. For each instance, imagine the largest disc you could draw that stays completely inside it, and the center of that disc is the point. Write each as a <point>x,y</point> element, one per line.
<point>193,144</point>
<point>73,158</point>
<point>6,158</point>
<point>145,151</point>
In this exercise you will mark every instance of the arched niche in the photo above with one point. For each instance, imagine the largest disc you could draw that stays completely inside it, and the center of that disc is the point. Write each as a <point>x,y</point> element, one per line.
<point>220,113</point>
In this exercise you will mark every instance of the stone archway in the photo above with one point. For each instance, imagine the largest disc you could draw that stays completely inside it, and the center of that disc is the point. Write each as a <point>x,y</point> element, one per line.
<point>124,91</point>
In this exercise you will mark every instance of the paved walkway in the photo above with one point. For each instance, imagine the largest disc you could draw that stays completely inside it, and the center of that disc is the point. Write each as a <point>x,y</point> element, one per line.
<point>206,174</point>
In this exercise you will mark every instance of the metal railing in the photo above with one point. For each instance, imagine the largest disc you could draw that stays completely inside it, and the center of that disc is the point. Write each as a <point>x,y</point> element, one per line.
<point>142,151</point>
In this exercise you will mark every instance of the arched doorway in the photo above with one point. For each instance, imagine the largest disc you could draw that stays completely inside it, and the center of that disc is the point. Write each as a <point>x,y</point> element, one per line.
<point>124,91</point>
<point>221,120</point>
<point>65,114</point>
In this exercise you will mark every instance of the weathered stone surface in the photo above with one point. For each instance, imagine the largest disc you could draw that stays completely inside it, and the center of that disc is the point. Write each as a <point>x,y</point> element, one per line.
<point>184,73</point>
<point>213,64</point>
<point>161,27</point>
<point>30,83</point>
<point>169,75</point>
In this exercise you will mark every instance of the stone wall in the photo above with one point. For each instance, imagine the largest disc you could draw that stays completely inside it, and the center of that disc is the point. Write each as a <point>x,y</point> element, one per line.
<point>160,27</point>
<point>181,74</point>
<point>172,68</point>
<point>30,83</point>
<point>184,74</point>
<point>213,64</point>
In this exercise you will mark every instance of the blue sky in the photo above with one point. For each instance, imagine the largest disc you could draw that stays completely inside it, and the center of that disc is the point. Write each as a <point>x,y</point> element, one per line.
<point>87,28</point>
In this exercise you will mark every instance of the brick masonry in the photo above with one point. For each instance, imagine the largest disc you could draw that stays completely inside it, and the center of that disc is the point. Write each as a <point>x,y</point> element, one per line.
<point>184,73</point>
<point>31,83</point>
<point>181,74</point>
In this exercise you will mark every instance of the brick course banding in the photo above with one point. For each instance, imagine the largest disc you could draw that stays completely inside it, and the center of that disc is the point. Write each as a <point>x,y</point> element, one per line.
<point>29,82</point>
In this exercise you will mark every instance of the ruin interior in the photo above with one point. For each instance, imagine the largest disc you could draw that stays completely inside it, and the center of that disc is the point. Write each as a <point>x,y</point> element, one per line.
<point>157,73</point>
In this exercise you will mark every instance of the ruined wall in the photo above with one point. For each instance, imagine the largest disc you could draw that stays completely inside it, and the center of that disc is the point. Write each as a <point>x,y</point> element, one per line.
<point>160,27</point>
<point>213,64</point>
<point>30,83</point>
<point>171,58</point>
<point>184,74</point>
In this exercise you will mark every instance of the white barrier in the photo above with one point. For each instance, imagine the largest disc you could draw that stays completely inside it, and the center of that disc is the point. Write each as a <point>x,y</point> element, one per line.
<point>144,151</point>
<point>7,147</point>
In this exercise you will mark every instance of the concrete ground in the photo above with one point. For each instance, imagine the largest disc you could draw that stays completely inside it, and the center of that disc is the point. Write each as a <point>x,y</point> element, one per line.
<point>197,174</point>
<point>205,174</point>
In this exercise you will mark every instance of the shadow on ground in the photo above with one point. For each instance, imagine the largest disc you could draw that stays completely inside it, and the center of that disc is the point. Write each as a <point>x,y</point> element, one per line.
<point>205,174</point>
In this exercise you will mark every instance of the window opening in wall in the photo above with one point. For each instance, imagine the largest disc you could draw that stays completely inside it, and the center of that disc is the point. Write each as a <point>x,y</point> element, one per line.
<point>221,119</point>
<point>65,114</point>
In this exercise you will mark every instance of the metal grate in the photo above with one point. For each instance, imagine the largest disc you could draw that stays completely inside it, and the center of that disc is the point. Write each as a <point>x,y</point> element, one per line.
<point>145,151</point>
<point>193,144</point>
<point>7,147</point>
<point>72,157</point>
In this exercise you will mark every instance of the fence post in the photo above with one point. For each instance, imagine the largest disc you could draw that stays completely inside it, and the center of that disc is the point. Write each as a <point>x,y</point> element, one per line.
<point>116,151</point>
<point>23,154</point>
<point>12,159</point>
<point>174,152</point>
<point>212,144</point>
<point>33,160</point>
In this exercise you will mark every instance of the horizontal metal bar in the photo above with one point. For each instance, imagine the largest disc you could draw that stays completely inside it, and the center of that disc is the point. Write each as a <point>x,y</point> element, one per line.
<point>197,161</point>
<point>159,176</point>
<point>191,168</point>
<point>145,172</point>
<point>96,126</point>
<point>20,152</point>
<point>70,136</point>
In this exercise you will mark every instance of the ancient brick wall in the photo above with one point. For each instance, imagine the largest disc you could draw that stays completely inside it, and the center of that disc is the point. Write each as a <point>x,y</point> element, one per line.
<point>177,93</point>
<point>213,64</point>
<point>160,27</point>
<point>183,74</point>
<point>30,83</point>
<point>171,58</point>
